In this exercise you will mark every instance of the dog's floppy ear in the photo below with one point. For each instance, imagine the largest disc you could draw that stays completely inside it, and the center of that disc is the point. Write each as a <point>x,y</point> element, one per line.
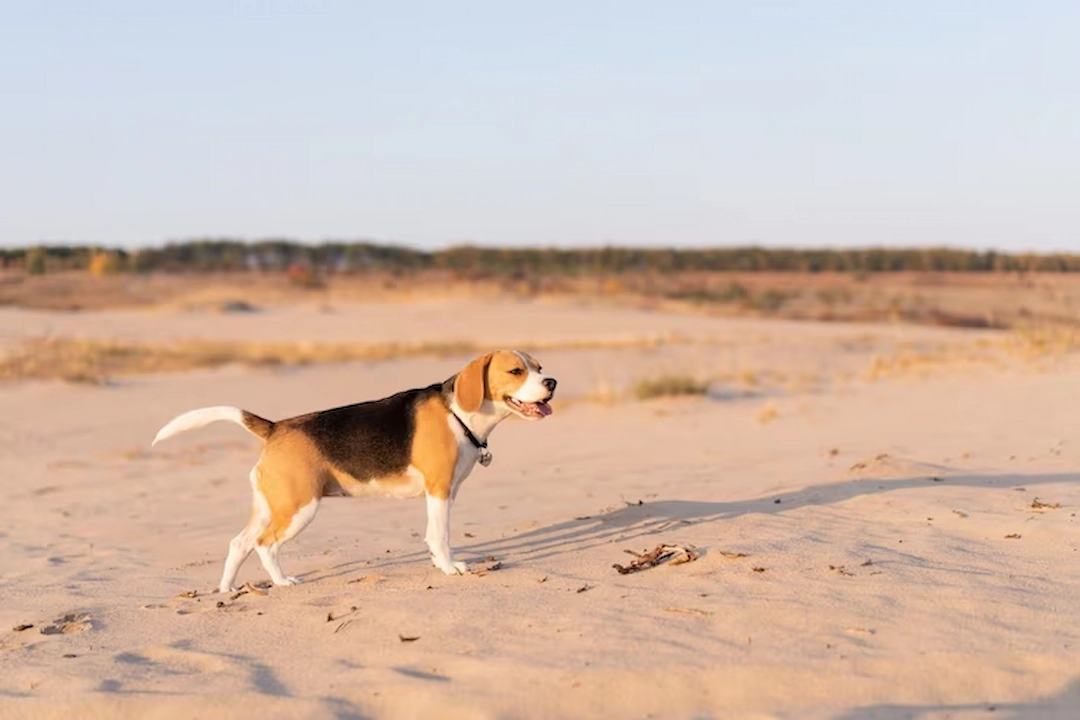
<point>470,386</point>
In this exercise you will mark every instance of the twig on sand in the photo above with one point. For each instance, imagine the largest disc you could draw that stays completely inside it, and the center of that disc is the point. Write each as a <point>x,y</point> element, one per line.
<point>671,554</point>
<point>687,611</point>
<point>255,589</point>
<point>492,566</point>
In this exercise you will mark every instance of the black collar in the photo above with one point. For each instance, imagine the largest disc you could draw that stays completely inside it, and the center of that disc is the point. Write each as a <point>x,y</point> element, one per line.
<point>469,433</point>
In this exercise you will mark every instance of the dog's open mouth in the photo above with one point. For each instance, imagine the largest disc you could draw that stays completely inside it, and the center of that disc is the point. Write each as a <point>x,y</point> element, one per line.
<point>533,410</point>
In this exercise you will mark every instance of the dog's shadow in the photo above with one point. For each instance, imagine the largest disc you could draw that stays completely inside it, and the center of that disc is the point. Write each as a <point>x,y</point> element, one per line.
<point>1059,706</point>
<point>646,518</point>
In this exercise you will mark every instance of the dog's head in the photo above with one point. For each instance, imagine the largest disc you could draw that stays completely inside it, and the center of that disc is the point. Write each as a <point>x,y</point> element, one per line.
<point>508,379</point>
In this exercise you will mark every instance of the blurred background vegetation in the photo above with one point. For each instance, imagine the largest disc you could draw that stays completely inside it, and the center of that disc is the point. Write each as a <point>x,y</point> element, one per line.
<point>210,255</point>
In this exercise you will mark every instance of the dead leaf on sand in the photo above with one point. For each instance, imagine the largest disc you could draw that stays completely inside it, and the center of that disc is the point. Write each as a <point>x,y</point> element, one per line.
<point>490,567</point>
<point>671,554</point>
<point>732,555</point>
<point>1012,536</point>
<point>68,624</point>
<point>1036,504</point>
<point>255,589</point>
<point>373,579</point>
<point>408,638</point>
<point>867,463</point>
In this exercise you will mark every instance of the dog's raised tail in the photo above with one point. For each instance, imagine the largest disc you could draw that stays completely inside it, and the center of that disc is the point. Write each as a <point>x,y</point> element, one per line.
<point>257,426</point>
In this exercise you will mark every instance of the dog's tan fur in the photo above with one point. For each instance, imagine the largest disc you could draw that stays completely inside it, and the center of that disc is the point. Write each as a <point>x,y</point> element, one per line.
<point>435,449</point>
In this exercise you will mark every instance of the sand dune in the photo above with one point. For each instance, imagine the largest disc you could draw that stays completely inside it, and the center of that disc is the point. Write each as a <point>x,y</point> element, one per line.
<point>905,547</point>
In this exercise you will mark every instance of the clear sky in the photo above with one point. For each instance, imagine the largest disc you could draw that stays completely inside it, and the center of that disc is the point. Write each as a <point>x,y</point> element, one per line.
<point>544,123</point>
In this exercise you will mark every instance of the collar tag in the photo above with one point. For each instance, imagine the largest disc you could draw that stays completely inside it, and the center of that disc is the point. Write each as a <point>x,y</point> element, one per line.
<point>485,457</point>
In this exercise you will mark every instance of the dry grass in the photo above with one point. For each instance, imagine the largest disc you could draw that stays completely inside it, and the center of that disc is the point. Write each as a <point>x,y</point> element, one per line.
<point>1033,342</point>
<point>917,363</point>
<point>971,300</point>
<point>749,377</point>
<point>767,413</point>
<point>94,361</point>
<point>670,386</point>
<point>603,393</point>
<point>674,385</point>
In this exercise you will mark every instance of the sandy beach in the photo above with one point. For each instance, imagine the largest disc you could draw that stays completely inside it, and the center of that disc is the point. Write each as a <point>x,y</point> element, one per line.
<point>885,517</point>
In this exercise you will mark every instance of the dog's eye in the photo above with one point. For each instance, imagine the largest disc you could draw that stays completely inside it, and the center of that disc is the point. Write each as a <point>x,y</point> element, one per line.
<point>516,371</point>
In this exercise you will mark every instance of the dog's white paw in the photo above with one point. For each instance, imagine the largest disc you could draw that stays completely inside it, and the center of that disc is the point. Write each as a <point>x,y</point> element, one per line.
<point>450,567</point>
<point>289,580</point>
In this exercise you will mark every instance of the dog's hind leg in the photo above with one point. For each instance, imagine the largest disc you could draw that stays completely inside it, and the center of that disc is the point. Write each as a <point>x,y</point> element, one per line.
<point>280,531</point>
<point>242,545</point>
<point>290,483</point>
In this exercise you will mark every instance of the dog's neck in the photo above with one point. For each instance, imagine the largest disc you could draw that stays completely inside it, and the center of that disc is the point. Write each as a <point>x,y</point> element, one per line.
<point>481,422</point>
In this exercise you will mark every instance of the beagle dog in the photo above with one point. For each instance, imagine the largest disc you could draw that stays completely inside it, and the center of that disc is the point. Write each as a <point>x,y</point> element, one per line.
<point>418,442</point>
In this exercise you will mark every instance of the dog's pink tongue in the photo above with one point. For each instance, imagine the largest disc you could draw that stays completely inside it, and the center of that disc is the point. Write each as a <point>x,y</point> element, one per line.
<point>543,408</point>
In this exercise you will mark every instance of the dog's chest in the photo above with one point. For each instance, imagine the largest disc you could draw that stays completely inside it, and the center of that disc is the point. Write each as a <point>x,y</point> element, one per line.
<point>467,455</point>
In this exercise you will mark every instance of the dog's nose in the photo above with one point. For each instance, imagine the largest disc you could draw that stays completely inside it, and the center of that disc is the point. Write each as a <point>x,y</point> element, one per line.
<point>550,384</point>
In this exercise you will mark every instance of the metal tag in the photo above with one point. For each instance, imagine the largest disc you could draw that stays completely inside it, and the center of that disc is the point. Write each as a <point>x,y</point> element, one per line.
<point>485,457</point>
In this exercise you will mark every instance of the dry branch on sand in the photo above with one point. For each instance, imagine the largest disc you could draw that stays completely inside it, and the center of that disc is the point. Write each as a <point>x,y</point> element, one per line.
<point>670,554</point>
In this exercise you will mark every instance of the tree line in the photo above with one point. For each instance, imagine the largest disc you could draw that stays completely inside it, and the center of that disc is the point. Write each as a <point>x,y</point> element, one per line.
<point>217,255</point>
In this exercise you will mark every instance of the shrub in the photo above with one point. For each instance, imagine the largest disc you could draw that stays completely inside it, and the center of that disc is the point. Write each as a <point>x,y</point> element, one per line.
<point>104,263</point>
<point>34,261</point>
<point>303,276</point>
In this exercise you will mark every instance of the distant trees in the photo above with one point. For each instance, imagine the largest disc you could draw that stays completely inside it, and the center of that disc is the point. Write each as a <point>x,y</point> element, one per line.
<point>225,254</point>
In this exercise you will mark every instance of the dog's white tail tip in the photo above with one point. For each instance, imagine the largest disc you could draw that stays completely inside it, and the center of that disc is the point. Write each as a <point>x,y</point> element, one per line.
<point>197,418</point>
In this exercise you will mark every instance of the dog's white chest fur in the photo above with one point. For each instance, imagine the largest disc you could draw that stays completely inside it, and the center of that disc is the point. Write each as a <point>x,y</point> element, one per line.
<point>468,454</point>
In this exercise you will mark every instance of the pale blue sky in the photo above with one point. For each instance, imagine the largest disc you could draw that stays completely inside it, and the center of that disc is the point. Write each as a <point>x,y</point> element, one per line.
<point>501,123</point>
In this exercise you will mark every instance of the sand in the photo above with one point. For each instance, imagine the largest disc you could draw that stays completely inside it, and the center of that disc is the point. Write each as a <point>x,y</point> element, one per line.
<point>899,545</point>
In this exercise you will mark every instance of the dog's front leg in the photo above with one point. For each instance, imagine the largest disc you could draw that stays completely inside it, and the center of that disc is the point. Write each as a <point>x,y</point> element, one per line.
<point>438,536</point>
